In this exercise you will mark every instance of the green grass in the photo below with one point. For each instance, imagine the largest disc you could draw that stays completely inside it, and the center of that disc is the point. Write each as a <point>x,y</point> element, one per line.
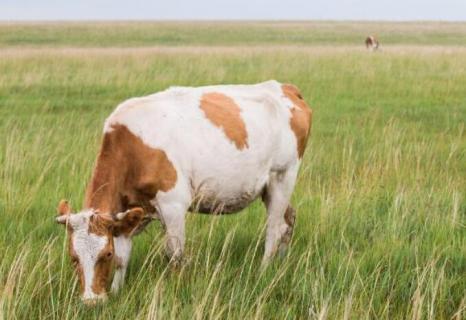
<point>381,197</point>
<point>127,34</point>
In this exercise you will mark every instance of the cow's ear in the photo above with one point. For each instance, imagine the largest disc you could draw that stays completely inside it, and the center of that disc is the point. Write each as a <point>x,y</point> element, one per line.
<point>64,211</point>
<point>128,221</point>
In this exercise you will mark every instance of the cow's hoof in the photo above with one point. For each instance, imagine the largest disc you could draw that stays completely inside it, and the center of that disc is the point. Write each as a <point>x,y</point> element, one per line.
<point>176,263</point>
<point>282,250</point>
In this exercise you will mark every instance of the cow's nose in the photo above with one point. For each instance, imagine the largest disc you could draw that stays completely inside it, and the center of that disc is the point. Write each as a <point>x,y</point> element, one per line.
<point>94,300</point>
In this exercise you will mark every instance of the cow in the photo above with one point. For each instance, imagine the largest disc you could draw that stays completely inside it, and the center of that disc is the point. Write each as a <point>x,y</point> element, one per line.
<point>211,149</point>
<point>372,43</point>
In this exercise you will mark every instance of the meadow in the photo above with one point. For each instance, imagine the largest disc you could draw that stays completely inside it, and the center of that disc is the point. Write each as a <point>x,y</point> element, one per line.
<point>381,202</point>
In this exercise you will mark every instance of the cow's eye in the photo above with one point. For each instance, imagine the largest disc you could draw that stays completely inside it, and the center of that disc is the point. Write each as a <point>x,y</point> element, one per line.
<point>74,261</point>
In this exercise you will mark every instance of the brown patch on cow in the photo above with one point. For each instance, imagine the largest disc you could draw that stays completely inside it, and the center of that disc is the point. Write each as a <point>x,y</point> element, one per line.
<point>224,113</point>
<point>128,173</point>
<point>103,268</point>
<point>301,116</point>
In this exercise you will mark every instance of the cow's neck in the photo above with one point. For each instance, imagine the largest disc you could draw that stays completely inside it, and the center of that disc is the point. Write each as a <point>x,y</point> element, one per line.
<point>105,188</point>
<point>128,173</point>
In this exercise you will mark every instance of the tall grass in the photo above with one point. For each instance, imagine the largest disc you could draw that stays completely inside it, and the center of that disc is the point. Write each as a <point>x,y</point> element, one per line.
<point>380,198</point>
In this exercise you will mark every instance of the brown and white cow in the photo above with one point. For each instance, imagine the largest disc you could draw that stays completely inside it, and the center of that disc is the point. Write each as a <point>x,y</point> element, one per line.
<point>372,43</point>
<point>210,149</point>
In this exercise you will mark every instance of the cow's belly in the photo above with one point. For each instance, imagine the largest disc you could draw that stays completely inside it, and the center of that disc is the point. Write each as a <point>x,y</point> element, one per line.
<point>215,204</point>
<point>221,196</point>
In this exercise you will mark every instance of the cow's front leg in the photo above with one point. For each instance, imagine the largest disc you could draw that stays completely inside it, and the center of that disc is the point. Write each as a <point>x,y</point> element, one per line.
<point>122,246</point>
<point>172,207</point>
<point>172,216</point>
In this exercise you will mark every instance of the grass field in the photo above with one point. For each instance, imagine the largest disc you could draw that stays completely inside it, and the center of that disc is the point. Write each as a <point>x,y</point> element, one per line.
<point>381,225</point>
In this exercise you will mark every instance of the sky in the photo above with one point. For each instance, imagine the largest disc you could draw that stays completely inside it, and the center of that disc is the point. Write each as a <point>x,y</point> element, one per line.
<point>445,10</point>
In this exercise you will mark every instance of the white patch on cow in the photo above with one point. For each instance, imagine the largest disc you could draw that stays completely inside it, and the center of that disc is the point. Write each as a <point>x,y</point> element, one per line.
<point>122,247</point>
<point>87,247</point>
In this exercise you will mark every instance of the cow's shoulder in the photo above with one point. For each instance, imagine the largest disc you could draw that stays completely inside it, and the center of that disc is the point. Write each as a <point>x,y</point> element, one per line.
<point>147,169</point>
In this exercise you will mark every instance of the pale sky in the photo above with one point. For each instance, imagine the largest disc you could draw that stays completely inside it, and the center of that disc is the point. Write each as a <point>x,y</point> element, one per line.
<point>451,10</point>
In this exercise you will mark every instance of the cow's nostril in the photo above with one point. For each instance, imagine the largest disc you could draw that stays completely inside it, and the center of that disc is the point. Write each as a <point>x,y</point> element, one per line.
<point>94,300</point>
<point>90,302</point>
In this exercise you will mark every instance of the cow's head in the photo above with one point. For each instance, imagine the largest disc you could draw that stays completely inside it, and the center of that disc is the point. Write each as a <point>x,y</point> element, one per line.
<point>90,244</point>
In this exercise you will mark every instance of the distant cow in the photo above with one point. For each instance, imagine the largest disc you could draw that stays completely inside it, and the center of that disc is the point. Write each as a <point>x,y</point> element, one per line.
<point>372,43</point>
<point>210,150</point>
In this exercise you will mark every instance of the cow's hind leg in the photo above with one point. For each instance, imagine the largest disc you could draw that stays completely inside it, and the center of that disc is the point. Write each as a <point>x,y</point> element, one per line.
<point>280,215</point>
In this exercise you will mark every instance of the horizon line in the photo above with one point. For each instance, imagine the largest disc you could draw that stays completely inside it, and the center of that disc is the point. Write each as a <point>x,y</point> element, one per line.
<point>78,20</point>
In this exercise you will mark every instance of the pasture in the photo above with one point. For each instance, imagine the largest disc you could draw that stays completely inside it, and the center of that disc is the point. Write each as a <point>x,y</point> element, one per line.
<point>380,199</point>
